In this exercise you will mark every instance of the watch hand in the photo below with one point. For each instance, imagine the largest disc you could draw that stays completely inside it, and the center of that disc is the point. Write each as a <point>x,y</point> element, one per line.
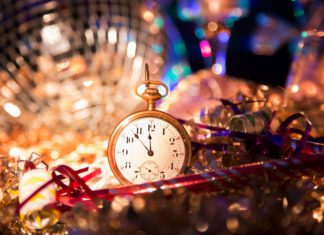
<point>150,171</point>
<point>149,152</point>
<point>137,137</point>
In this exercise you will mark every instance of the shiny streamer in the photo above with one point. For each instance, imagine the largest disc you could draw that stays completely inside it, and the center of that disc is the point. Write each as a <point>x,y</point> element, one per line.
<point>77,192</point>
<point>307,163</point>
<point>279,139</point>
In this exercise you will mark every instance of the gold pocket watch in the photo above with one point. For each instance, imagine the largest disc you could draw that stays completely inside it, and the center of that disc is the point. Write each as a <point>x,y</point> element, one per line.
<point>149,145</point>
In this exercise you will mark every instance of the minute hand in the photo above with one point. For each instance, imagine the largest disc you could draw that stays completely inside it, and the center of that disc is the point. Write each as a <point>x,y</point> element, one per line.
<point>150,140</point>
<point>149,152</point>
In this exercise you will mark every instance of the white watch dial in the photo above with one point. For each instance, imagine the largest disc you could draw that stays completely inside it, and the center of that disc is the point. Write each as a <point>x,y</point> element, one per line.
<point>149,149</point>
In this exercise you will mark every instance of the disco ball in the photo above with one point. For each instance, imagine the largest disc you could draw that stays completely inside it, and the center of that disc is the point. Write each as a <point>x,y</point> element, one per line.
<point>73,64</point>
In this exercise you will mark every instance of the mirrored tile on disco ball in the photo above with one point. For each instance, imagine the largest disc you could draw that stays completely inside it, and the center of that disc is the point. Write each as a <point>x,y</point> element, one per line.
<point>74,64</point>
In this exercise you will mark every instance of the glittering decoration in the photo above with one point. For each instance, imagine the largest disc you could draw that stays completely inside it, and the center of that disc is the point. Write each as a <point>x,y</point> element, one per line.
<point>68,65</point>
<point>251,122</point>
<point>37,214</point>
<point>207,100</point>
<point>8,190</point>
<point>78,150</point>
<point>305,82</point>
<point>267,209</point>
<point>198,91</point>
<point>223,182</point>
<point>285,182</point>
<point>198,98</point>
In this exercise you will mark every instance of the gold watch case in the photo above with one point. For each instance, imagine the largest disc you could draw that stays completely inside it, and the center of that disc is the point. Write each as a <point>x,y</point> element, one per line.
<point>144,114</point>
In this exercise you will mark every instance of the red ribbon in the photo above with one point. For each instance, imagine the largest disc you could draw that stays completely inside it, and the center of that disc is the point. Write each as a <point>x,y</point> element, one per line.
<point>75,181</point>
<point>77,191</point>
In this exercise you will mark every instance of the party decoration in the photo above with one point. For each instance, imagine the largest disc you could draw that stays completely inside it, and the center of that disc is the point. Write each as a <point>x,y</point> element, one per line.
<point>77,191</point>
<point>201,90</point>
<point>62,65</point>
<point>260,208</point>
<point>238,181</point>
<point>202,95</point>
<point>253,122</point>
<point>149,145</point>
<point>37,213</point>
<point>228,179</point>
<point>304,158</point>
<point>8,190</point>
<point>305,80</point>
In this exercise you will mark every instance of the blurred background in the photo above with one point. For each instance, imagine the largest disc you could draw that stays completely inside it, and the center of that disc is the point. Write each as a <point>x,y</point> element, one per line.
<point>71,66</point>
<point>262,35</point>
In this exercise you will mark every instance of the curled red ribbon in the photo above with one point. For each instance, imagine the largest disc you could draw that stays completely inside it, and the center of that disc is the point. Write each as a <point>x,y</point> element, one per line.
<point>77,192</point>
<point>301,163</point>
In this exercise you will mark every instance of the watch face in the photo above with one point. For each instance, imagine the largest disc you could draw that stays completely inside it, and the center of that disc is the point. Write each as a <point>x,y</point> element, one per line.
<point>149,149</point>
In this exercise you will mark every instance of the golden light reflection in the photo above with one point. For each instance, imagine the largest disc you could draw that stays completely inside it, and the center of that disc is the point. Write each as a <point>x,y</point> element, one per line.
<point>54,154</point>
<point>77,66</point>
<point>6,92</point>
<point>232,224</point>
<point>148,15</point>
<point>295,88</point>
<point>202,226</point>
<point>49,17</point>
<point>138,62</point>
<point>14,152</point>
<point>308,88</point>
<point>64,64</point>
<point>154,29</point>
<point>89,37</point>
<point>67,73</point>
<point>214,6</point>
<point>237,206</point>
<point>212,26</point>
<point>112,35</point>
<point>318,215</point>
<point>321,107</point>
<point>131,49</point>
<point>55,41</point>
<point>12,109</point>
<point>138,204</point>
<point>119,203</point>
<point>276,99</point>
<point>87,83</point>
<point>80,104</point>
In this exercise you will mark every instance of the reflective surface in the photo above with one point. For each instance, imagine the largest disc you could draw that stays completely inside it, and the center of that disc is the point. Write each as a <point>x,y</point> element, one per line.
<point>305,85</point>
<point>74,64</point>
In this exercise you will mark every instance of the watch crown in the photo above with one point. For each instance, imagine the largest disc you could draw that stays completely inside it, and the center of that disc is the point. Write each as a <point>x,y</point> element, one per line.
<point>151,93</point>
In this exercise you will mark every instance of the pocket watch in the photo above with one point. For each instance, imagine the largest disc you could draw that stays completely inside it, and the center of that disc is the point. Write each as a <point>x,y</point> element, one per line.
<point>149,145</point>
